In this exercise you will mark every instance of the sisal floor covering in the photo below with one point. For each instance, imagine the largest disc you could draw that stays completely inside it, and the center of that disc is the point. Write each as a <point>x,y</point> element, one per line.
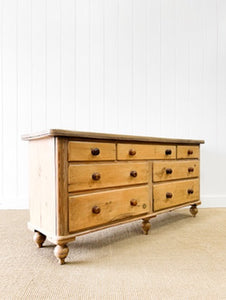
<point>182,258</point>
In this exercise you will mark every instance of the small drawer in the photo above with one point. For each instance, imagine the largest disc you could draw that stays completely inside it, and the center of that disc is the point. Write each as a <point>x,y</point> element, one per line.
<point>140,151</point>
<point>188,151</point>
<point>90,151</point>
<point>166,195</point>
<point>94,209</point>
<point>169,170</point>
<point>100,175</point>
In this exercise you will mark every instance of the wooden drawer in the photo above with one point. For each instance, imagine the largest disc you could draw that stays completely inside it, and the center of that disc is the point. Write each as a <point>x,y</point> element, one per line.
<point>98,175</point>
<point>94,209</point>
<point>140,151</point>
<point>91,151</point>
<point>167,195</point>
<point>188,151</point>
<point>169,170</point>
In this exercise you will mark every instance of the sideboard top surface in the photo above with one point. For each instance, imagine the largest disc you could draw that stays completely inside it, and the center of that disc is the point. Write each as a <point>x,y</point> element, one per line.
<point>106,136</point>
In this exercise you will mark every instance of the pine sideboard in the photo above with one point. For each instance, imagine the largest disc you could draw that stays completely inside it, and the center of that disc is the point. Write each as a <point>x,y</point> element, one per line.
<point>80,182</point>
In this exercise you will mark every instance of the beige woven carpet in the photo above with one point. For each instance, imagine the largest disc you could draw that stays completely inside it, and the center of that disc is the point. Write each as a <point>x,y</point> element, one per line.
<point>182,258</point>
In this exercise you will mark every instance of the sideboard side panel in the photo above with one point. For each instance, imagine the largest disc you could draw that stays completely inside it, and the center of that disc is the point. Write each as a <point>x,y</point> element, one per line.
<point>62,185</point>
<point>42,194</point>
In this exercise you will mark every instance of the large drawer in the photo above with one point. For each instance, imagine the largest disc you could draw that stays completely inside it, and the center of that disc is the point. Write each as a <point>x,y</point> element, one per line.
<point>102,175</point>
<point>141,151</point>
<point>169,170</point>
<point>94,209</point>
<point>91,151</point>
<point>166,195</point>
<point>188,151</point>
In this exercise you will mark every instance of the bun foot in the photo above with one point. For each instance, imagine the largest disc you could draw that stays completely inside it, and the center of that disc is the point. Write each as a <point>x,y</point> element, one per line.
<point>146,225</point>
<point>61,252</point>
<point>194,210</point>
<point>39,239</point>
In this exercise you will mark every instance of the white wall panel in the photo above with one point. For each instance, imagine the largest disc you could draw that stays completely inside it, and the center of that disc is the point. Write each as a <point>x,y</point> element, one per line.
<point>82,65</point>
<point>154,68</point>
<point>24,90</point>
<point>139,107</point>
<point>97,105</point>
<point>110,76</point>
<point>10,99</point>
<point>53,36</point>
<point>38,65</point>
<point>125,66</point>
<point>67,44</point>
<point>153,37</point>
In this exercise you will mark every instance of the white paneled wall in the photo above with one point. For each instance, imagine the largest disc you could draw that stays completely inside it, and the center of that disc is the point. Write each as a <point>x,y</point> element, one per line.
<point>144,67</point>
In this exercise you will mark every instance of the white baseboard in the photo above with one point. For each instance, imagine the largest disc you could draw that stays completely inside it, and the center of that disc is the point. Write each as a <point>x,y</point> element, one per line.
<point>213,201</point>
<point>14,203</point>
<point>22,202</point>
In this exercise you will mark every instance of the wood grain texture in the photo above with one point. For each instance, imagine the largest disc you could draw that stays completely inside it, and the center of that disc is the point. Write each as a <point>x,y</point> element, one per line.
<point>180,169</point>
<point>111,174</point>
<point>145,151</point>
<point>107,136</point>
<point>61,186</point>
<point>82,151</point>
<point>188,152</point>
<point>114,205</point>
<point>179,192</point>
<point>42,194</point>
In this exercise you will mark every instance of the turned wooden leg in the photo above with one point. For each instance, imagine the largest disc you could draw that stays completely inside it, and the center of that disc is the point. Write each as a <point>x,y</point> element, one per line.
<point>146,225</point>
<point>194,210</point>
<point>39,238</point>
<point>61,252</point>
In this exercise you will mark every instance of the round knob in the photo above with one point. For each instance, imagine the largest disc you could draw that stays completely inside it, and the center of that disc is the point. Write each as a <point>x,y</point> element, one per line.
<point>169,195</point>
<point>132,152</point>
<point>168,151</point>
<point>96,176</point>
<point>133,202</point>
<point>169,171</point>
<point>95,151</point>
<point>190,169</point>
<point>96,210</point>
<point>133,173</point>
<point>190,191</point>
<point>190,152</point>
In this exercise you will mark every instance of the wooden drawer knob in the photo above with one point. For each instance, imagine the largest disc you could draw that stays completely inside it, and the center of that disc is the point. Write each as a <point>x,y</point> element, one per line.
<point>95,151</point>
<point>190,152</point>
<point>190,191</point>
<point>132,152</point>
<point>133,173</point>
<point>169,171</point>
<point>191,169</point>
<point>133,202</point>
<point>96,176</point>
<point>169,195</point>
<point>168,152</point>
<point>96,210</point>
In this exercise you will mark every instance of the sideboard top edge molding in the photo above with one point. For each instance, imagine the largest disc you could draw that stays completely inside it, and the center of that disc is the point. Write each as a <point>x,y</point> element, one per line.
<point>105,136</point>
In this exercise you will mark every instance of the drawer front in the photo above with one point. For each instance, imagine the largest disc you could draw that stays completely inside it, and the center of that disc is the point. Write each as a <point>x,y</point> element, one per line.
<point>91,151</point>
<point>166,195</point>
<point>90,210</point>
<point>169,170</point>
<point>138,151</point>
<point>187,151</point>
<point>97,175</point>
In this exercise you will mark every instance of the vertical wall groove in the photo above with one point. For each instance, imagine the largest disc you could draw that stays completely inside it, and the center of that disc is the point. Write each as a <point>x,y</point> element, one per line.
<point>17,100</point>
<point>1,102</point>
<point>45,33</point>
<point>75,64</point>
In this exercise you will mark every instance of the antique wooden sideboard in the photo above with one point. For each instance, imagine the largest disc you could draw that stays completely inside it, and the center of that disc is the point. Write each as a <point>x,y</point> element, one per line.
<point>82,182</point>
